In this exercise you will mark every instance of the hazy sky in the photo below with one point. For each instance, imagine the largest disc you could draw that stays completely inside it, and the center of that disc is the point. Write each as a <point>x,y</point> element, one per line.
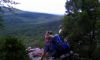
<point>46,6</point>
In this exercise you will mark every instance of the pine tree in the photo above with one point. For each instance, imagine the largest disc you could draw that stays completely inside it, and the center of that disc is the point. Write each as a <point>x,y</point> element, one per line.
<point>81,24</point>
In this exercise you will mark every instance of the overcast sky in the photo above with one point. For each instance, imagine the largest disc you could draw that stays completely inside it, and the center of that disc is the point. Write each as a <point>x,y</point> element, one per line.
<point>46,6</point>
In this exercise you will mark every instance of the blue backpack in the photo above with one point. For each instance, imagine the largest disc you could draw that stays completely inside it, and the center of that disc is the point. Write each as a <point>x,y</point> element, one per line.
<point>59,44</point>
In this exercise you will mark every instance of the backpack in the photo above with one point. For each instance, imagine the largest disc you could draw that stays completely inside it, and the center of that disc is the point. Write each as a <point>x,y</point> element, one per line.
<point>59,44</point>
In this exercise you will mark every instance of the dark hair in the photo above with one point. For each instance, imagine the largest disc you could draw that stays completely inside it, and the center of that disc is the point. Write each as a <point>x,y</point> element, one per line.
<point>50,32</point>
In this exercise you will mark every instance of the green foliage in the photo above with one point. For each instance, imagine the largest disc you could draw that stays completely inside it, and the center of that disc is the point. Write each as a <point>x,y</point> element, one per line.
<point>2,2</point>
<point>81,25</point>
<point>30,41</point>
<point>1,17</point>
<point>12,49</point>
<point>97,53</point>
<point>29,24</point>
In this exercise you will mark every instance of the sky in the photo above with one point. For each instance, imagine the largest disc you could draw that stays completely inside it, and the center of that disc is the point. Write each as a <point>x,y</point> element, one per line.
<point>44,6</point>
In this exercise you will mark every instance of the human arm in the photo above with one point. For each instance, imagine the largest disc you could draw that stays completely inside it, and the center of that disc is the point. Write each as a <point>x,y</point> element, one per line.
<point>43,55</point>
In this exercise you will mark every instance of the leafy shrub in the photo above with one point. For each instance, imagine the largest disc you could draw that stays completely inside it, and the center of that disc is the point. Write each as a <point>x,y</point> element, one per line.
<point>97,53</point>
<point>12,49</point>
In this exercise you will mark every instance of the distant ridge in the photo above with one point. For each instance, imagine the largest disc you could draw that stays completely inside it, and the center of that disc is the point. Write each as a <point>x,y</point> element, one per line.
<point>19,23</point>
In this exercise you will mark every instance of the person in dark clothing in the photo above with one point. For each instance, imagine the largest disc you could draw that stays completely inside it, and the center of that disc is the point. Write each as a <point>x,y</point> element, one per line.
<point>54,46</point>
<point>48,49</point>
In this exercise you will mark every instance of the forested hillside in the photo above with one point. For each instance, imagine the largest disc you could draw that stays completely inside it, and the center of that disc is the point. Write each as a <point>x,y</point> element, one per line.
<point>29,25</point>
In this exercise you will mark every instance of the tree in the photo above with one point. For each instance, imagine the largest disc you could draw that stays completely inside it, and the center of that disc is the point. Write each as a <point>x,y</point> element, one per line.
<point>81,22</point>
<point>12,49</point>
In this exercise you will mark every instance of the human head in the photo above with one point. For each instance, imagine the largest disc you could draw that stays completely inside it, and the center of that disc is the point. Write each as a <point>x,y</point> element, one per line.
<point>49,33</point>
